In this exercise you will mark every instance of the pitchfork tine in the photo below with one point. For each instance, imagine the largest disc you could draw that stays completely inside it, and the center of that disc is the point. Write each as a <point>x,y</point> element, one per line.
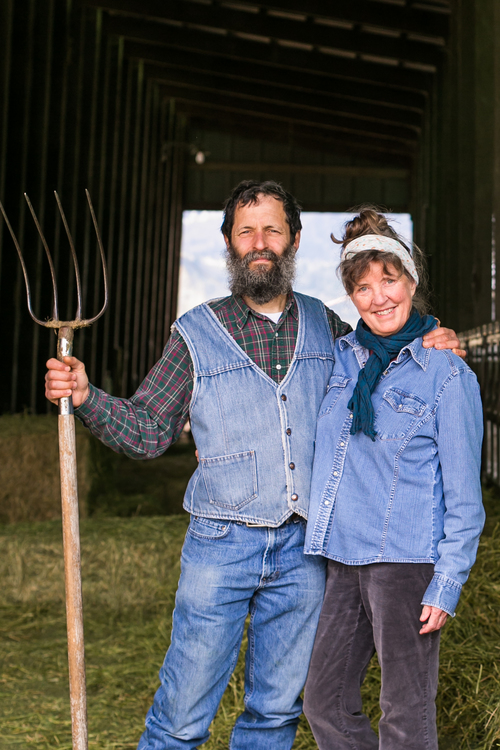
<point>103,260</point>
<point>75,259</point>
<point>54,322</point>
<point>23,266</point>
<point>49,257</point>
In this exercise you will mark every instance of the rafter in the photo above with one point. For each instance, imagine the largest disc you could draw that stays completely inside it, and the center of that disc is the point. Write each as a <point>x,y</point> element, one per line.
<point>251,94</point>
<point>320,85</point>
<point>242,49</point>
<point>290,113</point>
<point>332,170</point>
<point>266,26</point>
<point>297,134</point>
<point>381,15</point>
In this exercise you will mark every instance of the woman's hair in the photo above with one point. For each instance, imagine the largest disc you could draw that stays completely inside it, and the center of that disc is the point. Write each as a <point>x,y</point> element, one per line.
<point>370,221</point>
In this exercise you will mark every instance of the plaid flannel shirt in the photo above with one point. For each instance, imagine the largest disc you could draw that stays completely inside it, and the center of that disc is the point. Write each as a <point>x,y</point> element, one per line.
<point>145,425</point>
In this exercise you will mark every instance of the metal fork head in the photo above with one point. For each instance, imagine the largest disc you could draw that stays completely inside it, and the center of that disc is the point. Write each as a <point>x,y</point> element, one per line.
<point>54,321</point>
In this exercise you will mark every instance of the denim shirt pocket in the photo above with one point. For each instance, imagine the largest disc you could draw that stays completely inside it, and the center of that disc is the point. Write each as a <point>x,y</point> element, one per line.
<point>231,480</point>
<point>334,390</point>
<point>397,414</point>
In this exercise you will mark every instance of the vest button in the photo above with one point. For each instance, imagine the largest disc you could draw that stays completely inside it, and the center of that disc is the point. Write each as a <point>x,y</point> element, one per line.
<point>294,497</point>
<point>292,465</point>
<point>288,431</point>
<point>283,397</point>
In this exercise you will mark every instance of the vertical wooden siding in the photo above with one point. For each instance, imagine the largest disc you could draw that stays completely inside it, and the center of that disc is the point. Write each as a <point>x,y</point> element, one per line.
<point>463,195</point>
<point>76,114</point>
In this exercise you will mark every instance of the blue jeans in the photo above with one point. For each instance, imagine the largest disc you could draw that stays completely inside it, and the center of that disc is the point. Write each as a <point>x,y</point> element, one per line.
<point>229,570</point>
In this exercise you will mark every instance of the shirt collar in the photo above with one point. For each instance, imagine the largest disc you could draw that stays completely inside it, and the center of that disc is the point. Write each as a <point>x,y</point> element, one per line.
<point>415,349</point>
<point>241,310</point>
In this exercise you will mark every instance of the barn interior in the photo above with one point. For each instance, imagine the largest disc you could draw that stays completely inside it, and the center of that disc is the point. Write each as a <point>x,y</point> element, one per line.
<point>159,106</point>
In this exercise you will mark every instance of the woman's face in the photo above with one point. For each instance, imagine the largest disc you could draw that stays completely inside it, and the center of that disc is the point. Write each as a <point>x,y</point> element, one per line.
<point>384,298</point>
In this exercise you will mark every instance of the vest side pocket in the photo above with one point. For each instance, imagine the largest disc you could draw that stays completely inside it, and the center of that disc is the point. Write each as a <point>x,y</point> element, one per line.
<point>231,481</point>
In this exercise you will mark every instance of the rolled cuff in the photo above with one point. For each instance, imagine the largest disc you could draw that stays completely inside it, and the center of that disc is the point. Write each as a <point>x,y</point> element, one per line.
<point>444,593</point>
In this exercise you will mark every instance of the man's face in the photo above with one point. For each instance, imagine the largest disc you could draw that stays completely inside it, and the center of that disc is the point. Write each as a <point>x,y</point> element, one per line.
<point>261,257</point>
<point>261,226</point>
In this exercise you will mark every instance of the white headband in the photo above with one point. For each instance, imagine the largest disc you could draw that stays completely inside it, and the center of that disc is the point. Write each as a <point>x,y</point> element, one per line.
<point>385,245</point>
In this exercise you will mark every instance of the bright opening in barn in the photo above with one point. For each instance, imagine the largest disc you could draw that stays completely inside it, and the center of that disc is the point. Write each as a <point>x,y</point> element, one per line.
<point>203,270</point>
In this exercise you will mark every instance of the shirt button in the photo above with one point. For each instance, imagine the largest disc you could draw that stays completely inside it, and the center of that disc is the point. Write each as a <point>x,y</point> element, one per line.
<point>283,397</point>
<point>351,415</point>
<point>278,367</point>
<point>292,465</point>
<point>342,445</point>
<point>276,334</point>
<point>288,431</point>
<point>335,473</point>
<point>294,497</point>
<point>326,502</point>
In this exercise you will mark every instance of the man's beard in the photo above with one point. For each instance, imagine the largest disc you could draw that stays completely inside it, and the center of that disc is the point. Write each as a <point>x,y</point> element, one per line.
<point>261,284</point>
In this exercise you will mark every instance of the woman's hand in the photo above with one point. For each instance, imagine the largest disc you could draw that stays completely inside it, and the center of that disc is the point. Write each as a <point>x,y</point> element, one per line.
<point>66,378</point>
<point>434,619</point>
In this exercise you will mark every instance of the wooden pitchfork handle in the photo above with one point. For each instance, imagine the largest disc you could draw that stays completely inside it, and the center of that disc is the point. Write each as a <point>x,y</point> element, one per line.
<point>72,558</point>
<point>67,458</point>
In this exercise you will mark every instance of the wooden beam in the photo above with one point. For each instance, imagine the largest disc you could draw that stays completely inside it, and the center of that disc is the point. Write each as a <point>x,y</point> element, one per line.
<point>381,173</point>
<point>256,125</point>
<point>297,135</point>
<point>236,48</point>
<point>330,206</point>
<point>402,18</point>
<point>250,92</point>
<point>290,113</point>
<point>227,18</point>
<point>300,81</point>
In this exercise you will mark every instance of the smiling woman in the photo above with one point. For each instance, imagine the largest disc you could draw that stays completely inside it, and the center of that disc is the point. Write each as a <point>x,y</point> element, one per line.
<point>384,298</point>
<point>395,502</point>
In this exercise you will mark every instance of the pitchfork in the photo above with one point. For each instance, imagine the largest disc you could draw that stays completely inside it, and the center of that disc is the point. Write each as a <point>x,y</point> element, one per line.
<point>67,459</point>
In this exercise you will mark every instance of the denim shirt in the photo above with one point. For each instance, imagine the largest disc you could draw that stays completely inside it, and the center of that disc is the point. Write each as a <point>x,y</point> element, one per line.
<point>413,495</point>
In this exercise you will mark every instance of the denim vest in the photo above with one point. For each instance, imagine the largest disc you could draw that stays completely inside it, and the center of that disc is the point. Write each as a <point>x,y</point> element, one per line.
<point>255,437</point>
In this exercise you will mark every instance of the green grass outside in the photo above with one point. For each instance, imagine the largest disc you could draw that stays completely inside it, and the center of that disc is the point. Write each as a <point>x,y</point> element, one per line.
<point>130,570</point>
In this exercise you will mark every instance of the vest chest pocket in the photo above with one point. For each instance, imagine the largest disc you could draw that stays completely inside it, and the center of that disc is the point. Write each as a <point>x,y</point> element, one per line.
<point>334,390</point>
<point>231,481</point>
<point>397,414</point>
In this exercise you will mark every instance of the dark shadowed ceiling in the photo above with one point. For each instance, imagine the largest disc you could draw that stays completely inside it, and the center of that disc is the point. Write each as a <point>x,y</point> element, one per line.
<point>352,75</point>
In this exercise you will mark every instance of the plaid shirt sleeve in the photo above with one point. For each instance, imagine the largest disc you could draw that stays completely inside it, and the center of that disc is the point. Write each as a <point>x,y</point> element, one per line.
<point>338,327</point>
<point>145,425</point>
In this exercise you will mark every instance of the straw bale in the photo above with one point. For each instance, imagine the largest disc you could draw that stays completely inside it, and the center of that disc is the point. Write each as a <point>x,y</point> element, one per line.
<point>29,460</point>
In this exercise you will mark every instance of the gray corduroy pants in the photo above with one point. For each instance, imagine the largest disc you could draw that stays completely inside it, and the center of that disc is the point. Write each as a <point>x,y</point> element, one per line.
<point>370,608</point>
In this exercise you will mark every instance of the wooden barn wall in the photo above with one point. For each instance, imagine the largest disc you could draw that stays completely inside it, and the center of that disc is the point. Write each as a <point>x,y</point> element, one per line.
<point>462,194</point>
<point>321,180</point>
<point>75,114</point>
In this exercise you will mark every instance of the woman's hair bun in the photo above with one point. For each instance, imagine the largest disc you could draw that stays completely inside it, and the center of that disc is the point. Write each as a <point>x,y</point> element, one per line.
<point>370,220</point>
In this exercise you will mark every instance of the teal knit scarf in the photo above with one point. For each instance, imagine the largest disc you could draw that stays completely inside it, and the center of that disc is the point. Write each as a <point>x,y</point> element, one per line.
<point>384,349</point>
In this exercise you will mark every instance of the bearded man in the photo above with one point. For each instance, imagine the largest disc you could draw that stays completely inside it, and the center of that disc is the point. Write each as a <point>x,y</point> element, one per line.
<point>250,372</point>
